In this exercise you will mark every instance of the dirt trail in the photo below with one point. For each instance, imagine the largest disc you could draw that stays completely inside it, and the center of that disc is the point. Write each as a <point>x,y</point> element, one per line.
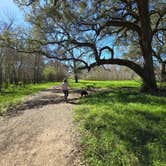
<point>41,132</point>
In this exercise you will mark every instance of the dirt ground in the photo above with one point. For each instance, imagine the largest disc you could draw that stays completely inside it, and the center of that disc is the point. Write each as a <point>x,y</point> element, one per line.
<point>41,132</point>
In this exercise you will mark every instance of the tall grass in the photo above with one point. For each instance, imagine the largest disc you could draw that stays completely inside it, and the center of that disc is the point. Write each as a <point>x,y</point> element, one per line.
<point>14,95</point>
<point>123,127</point>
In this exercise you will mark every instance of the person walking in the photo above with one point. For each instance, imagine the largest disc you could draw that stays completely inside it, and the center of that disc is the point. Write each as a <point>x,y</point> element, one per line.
<point>65,89</point>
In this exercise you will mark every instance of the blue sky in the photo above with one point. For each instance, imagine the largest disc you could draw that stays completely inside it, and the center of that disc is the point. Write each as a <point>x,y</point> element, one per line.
<point>9,9</point>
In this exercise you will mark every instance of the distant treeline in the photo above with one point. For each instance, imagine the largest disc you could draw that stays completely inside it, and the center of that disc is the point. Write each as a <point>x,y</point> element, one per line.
<point>110,73</point>
<point>20,68</point>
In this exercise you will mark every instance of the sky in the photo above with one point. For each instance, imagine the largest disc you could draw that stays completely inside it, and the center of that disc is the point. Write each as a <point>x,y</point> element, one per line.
<point>9,9</point>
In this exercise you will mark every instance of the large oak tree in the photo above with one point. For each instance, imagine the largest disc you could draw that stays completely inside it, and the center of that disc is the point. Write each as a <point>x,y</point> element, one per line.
<point>94,26</point>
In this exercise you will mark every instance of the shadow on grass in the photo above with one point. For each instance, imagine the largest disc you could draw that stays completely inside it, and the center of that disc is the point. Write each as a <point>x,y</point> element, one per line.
<point>137,130</point>
<point>140,131</point>
<point>125,96</point>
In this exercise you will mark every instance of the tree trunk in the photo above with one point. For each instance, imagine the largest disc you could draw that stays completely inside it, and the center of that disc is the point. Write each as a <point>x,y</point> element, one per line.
<point>146,77</point>
<point>0,79</point>
<point>35,70</point>
<point>75,72</point>
<point>145,36</point>
<point>76,77</point>
<point>163,72</point>
<point>15,77</point>
<point>38,69</point>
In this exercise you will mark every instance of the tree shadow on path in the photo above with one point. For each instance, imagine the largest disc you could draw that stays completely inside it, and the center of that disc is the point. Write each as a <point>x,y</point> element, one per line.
<point>45,97</point>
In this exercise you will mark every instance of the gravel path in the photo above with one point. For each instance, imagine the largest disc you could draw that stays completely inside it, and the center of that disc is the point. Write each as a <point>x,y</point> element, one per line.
<point>41,132</point>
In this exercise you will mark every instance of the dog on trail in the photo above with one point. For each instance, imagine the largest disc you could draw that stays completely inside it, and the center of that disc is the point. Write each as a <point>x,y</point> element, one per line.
<point>83,93</point>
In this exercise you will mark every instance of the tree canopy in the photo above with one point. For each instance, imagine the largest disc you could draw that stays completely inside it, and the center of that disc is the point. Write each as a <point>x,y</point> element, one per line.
<point>94,27</point>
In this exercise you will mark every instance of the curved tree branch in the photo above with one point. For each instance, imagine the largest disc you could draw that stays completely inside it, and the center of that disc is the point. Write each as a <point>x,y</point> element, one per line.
<point>161,15</point>
<point>87,44</point>
<point>107,48</point>
<point>122,62</point>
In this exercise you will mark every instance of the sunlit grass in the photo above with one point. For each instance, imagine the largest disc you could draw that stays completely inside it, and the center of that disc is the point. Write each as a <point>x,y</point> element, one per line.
<point>14,95</point>
<point>123,127</point>
<point>104,84</point>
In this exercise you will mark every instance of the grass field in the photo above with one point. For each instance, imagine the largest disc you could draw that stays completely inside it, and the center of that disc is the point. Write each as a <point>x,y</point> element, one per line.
<point>122,127</point>
<point>103,84</point>
<point>14,95</point>
<point>119,126</point>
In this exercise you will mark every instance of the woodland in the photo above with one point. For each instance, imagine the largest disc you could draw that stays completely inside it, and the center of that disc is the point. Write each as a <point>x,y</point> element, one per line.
<point>76,35</point>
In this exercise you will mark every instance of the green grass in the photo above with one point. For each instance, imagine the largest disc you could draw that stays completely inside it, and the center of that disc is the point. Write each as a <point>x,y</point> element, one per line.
<point>15,95</point>
<point>103,84</point>
<point>123,127</point>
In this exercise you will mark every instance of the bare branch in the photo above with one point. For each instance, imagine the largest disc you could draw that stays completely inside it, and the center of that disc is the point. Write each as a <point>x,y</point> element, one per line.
<point>86,44</point>
<point>107,48</point>
<point>122,62</point>
<point>161,15</point>
<point>128,25</point>
<point>30,2</point>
